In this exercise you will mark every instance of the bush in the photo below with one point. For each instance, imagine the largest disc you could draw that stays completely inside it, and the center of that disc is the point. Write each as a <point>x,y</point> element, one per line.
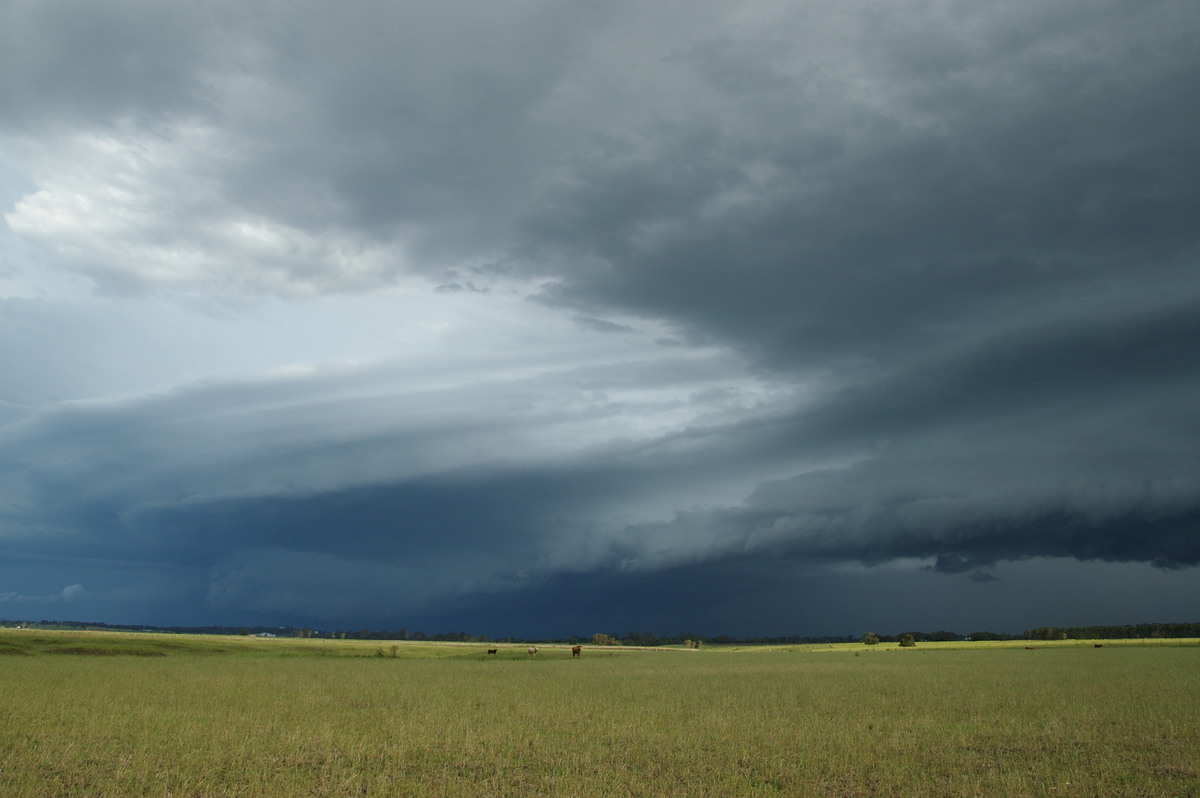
<point>907,641</point>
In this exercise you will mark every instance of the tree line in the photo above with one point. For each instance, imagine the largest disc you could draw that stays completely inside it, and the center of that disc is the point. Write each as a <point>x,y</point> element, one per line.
<point>652,639</point>
<point>1126,632</point>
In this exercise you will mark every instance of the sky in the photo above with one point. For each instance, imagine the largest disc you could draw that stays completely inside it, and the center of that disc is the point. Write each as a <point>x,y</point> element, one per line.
<point>536,319</point>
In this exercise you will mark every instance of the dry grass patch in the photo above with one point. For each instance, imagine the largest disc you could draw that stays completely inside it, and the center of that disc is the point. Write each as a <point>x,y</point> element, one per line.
<point>1112,721</point>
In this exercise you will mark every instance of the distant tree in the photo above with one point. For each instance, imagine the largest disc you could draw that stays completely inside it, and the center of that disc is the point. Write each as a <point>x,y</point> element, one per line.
<point>985,635</point>
<point>1142,630</point>
<point>941,636</point>
<point>907,641</point>
<point>870,639</point>
<point>648,639</point>
<point>1046,633</point>
<point>601,639</point>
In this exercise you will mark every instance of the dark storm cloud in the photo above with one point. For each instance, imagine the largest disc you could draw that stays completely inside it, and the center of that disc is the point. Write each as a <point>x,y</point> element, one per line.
<point>942,257</point>
<point>378,479</point>
<point>998,246</point>
<point>1076,442</point>
<point>962,199</point>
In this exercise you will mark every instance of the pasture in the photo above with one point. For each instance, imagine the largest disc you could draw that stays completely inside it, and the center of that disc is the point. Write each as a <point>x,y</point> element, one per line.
<point>103,714</point>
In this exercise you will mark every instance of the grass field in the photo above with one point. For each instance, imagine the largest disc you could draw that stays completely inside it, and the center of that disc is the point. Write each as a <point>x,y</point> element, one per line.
<point>104,714</point>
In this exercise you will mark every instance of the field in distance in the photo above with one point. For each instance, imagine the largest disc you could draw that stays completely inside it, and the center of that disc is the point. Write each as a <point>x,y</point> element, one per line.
<point>93,713</point>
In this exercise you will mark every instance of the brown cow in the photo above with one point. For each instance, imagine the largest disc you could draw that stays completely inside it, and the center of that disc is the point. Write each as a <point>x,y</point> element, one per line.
<point>492,651</point>
<point>576,651</point>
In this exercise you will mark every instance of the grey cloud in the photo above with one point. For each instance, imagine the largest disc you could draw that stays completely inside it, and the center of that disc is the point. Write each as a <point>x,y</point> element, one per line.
<point>324,587</point>
<point>866,234</point>
<point>471,484</point>
<point>69,594</point>
<point>944,154</point>
<point>987,504</point>
<point>76,60</point>
<point>410,145</point>
<point>601,325</point>
<point>1108,368</point>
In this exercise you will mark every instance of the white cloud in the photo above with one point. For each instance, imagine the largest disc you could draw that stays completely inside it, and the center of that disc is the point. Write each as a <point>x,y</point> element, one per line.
<point>147,210</point>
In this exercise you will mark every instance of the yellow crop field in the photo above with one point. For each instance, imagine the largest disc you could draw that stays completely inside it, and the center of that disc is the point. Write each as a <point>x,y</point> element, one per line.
<point>112,715</point>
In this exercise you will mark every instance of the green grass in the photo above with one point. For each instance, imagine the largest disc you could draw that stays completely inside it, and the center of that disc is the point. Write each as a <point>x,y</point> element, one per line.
<point>238,717</point>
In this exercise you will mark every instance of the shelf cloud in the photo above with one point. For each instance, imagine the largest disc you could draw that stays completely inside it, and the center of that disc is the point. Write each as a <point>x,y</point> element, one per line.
<point>534,319</point>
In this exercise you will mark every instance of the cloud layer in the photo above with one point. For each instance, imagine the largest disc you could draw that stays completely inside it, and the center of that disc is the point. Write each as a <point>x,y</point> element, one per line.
<point>394,314</point>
